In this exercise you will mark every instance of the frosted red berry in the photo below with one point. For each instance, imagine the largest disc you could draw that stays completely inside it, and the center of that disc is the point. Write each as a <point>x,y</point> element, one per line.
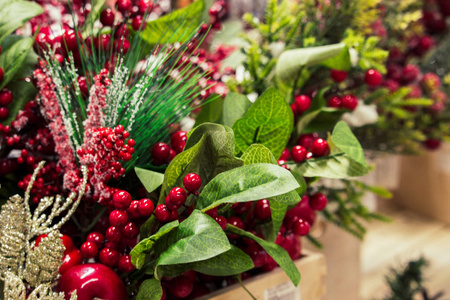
<point>162,213</point>
<point>298,153</point>
<point>338,75</point>
<point>349,102</point>
<point>373,78</point>
<point>262,210</point>
<point>302,103</point>
<point>318,201</point>
<point>89,250</point>
<point>192,182</point>
<point>118,218</point>
<point>320,148</point>
<point>301,227</point>
<point>121,199</point>
<point>145,207</point>
<point>109,257</point>
<point>6,97</point>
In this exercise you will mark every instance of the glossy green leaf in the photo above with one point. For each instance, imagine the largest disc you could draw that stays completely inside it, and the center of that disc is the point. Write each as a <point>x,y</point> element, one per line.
<point>209,151</point>
<point>176,26</point>
<point>302,182</point>
<point>247,183</point>
<point>23,92</point>
<point>344,139</point>
<point>269,122</point>
<point>14,52</point>
<point>339,62</point>
<point>276,252</point>
<point>196,239</point>
<point>291,62</point>
<point>258,153</point>
<point>211,111</point>
<point>233,262</point>
<point>150,289</point>
<point>151,180</point>
<point>14,14</point>
<point>234,107</point>
<point>145,246</point>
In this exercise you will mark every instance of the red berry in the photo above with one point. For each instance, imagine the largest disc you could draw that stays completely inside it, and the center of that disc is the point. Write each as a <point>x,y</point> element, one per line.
<point>181,287</point>
<point>82,83</point>
<point>71,259</point>
<point>285,155</point>
<point>145,207</point>
<point>177,197</point>
<point>6,97</point>
<point>89,250</point>
<point>1,74</point>
<point>114,234</point>
<point>262,210</point>
<point>373,78</point>
<point>349,102</point>
<point>162,213</point>
<point>70,39</point>
<point>145,6</point>
<point>242,208</point>
<point>432,144</point>
<point>294,109</point>
<point>4,113</point>
<point>68,243</point>
<point>236,221</point>
<point>125,264</point>
<point>123,5</point>
<point>298,153</point>
<point>318,201</point>
<point>338,75</point>
<point>335,102</point>
<point>410,73</point>
<point>257,254</point>
<point>301,227</point>
<point>303,103</point>
<point>137,23</point>
<point>222,221</point>
<point>133,209</point>
<point>131,230</point>
<point>320,148</point>
<point>160,153</point>
<point>306,140</point>
<point>109,257</point>
<point>192,182</point>
<point>107,17</point>
<point>96,237</point>
<point>121,199</point>
<point>118,218</point>
<point>178,141</point>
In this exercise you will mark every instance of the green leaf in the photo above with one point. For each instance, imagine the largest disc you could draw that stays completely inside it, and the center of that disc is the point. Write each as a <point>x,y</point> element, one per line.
<point>340,62</point>
<point>145,246</point>
<point>151,180</point>
<point>302,182</point>
<point>211,111</point>
<point>150,289</point>
<point>196,239</point>
<point>233,262</point>
<point>234,107</point>
<point>292,61</point>
<point>176,26</point>
<point>344,139</point>
<point>276,252</point>
<point>379,191</point>
<point>258,153</point>
<point>269,122</point>
<point>247,183</point>
<point>23,92</point>
<point>336,166</point>
<point>325,120</point>
<point>14,14</point>
<point>14,52</point>
<point>416,102</point>
<point>209,151</point>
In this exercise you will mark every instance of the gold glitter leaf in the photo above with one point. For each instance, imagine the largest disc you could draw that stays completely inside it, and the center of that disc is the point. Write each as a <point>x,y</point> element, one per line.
<point>44,261</point>
<point>14,288</point>
<point>45,292</point>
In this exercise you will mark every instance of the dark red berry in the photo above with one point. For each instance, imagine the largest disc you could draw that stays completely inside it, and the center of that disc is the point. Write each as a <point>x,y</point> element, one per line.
<point>107,17</point>
<point>162,213</point>
<point>177,197</point>
<point>303,103</point>
<point>294,109</point>
<point>262,210</point>
<point>123,5</point>
<point>242,208</point>
<point>178,141</point>
<point>122,199</point>
<point>318,201</point>
<point>335,102</point>
<point>131,230</point>
<point>338,75</point>
<point>97,238</point>
<point>145,7</point>
<point>181,287</point>
<point>114,234</point>
<point>70,39</point>
<point>410,73</point>
<point>71,259</point>
<point>89,250</point>
<point>373,78</point>
<point>6,97</point>
<point>320,148</point>
<point>349,102</point>
<point>145,207</point>
<point>1,74</point>
<point>133,209</point>
<point>257,254</point>
<point>222,221</point>
<point>118,218</point>
<point>236,221</point>
<point>285,155</point>
<point>298,153</point>
<point>137,23</point>
<point>4,113</point>
<point>432,144</point>
<point>125,264</point>
<point>301,227</point>
<point>306,140</point>
<point>109,257</point>
<point>192,182</point>
<point>160,153</point>
<point>82,83</point>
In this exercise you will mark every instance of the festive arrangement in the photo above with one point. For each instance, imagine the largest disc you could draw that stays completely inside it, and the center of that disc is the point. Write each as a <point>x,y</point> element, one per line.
<point>181,173</point>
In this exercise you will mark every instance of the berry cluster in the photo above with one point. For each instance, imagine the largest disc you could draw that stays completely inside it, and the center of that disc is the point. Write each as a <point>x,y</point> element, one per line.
<point>162,153</point>
<point>307,146</point>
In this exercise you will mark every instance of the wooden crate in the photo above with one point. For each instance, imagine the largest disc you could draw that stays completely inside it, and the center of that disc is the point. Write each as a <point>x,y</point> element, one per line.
<point>276,285</point>
<point>425,184</point>
<point>342,254</point>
